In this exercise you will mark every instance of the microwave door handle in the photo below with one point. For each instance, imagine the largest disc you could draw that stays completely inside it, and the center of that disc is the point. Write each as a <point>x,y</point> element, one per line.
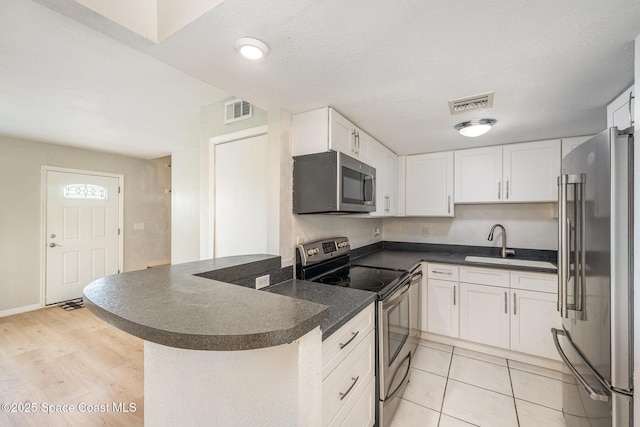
<point>369,200</point>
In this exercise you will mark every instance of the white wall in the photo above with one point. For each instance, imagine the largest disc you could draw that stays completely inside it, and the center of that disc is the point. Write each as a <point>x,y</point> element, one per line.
<point>192,233</point>
<point>145,201</point>
<point>185,205</point>
<point>530,226</point>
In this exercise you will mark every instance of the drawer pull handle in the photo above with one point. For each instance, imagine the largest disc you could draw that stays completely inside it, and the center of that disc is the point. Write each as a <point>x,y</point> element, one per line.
<point>447,272</point>
<point>355,380</point>
<point>354,335</point>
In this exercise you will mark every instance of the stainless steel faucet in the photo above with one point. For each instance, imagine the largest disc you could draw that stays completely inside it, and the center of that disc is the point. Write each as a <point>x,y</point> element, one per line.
<point>505,251</point>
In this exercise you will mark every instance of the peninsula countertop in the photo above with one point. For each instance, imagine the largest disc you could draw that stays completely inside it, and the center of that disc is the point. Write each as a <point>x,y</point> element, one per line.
<point>191,306</point>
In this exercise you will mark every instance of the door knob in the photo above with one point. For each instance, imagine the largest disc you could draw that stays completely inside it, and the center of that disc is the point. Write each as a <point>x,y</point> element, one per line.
<point>53,245</point>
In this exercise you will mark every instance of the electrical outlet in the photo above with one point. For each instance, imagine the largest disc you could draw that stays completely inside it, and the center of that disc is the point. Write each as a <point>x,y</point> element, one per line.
<point>262,281</point>
<point>376,232</point>
<point>425,231</point>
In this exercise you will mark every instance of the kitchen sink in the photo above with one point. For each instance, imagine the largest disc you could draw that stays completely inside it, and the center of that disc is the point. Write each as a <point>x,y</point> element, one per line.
<point>510,261</point>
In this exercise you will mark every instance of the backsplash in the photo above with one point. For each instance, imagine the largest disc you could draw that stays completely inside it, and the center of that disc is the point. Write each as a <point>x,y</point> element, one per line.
<point>360,231</point>
<point>532,226</point>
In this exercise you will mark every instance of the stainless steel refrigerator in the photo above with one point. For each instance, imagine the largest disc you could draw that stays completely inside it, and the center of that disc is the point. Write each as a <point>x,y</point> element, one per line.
<point>595,281</point>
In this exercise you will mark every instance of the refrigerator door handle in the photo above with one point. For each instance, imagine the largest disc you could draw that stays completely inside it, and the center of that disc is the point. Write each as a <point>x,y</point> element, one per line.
<point>593,393</point>
<point>564,245</point>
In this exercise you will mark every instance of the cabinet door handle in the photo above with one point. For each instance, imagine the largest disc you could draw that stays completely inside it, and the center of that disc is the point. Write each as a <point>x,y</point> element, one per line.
<point>344,394</point>
<point>449,204</point>
<point>506,301</point>
<point>454,295</point>
<point>514,303</point>
<point>354,335</point>
<point>353,142</point>
<point>499,184</point>
<point>631,97</point>
<point>507,190</point>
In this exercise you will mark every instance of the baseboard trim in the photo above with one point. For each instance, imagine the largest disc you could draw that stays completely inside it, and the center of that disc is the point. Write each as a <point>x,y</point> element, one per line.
<point>18,310</point>
<point>494,351</point>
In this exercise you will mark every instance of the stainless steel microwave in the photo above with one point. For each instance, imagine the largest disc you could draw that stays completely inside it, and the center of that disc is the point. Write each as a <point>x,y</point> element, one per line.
<point>332,182</point>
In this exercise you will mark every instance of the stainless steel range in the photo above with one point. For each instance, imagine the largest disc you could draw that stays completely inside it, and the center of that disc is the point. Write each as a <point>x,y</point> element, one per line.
<point>397,311</point>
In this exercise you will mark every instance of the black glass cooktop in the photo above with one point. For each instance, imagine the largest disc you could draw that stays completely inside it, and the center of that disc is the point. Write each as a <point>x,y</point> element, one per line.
<point>365,278</point>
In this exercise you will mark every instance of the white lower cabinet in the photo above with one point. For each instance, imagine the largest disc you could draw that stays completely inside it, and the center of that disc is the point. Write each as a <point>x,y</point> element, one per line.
<point>534,313</point>
<point>363,412</point>
<point>506,309</point>
<point>442,307</point>
<point>484,314</point>
<point>348,387</point>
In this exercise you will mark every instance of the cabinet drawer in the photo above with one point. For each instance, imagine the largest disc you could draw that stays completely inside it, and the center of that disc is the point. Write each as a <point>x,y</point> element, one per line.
<point>344,340</point>
<point>538,282</point>
<point>342,387</point>
<point>363,412</point>
<point>442,272</point>
<point>484,276</point>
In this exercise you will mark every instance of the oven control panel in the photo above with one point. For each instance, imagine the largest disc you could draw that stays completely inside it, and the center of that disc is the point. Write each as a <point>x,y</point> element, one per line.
<point>322,250</point>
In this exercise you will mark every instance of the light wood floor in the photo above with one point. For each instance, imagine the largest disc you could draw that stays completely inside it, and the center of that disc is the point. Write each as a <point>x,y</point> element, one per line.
<point>57,357</point>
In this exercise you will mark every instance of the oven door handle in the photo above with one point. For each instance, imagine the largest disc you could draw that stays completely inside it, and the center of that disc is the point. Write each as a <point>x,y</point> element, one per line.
<point>396,295</point>
<point>394,392</point>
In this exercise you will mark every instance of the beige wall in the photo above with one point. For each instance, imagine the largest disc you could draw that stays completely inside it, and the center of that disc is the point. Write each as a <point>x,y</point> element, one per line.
<point>145,202</point>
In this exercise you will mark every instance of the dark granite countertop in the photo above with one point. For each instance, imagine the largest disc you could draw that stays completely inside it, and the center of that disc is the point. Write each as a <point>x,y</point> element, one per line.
<point>174,307</point>
<point>344,303</point>
<point>404,256</point>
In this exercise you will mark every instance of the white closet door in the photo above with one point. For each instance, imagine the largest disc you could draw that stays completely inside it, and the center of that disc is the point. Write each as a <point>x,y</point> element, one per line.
<point>241,185</point>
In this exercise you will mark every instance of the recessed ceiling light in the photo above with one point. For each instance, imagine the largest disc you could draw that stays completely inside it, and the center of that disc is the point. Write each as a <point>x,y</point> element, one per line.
<point>474,128</point>
<point>251,48</point>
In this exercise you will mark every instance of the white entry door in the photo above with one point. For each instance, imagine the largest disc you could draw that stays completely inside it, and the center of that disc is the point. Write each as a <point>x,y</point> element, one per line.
<point>82,232</point>
<point>241,187</point>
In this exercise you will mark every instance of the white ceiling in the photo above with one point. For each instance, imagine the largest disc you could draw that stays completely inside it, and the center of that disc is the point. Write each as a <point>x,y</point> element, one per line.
<point>64,83</point>
<point>389,66</point>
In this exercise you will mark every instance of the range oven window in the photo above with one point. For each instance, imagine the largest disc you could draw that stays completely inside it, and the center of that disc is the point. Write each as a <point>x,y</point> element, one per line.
<point>398,328</point>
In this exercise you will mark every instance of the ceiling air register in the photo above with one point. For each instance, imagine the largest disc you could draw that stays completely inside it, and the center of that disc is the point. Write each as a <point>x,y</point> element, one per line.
<point>237,109</point>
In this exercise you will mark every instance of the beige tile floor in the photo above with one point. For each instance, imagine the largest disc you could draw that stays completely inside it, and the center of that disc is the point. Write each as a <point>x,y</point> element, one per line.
<point>454,387</point>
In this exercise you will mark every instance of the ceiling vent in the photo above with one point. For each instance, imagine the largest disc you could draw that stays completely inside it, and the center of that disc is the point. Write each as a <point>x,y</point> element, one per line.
<point>237,109</point>
<point>460,105</point>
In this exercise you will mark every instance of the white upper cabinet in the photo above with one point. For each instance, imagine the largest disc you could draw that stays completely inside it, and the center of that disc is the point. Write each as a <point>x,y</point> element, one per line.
<point>325,129</point>
<point>386,164</point>
<point>429,185</point>
<point>524,172</point>
<point>342,134</point>
<point>478,175</point>
<point>390,183</point>
<point>530,171</point>
<point>620,111</point>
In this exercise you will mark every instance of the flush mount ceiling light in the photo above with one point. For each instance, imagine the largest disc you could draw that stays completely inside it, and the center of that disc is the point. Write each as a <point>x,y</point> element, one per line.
<point>474,128</point>
<point>251,48</point>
